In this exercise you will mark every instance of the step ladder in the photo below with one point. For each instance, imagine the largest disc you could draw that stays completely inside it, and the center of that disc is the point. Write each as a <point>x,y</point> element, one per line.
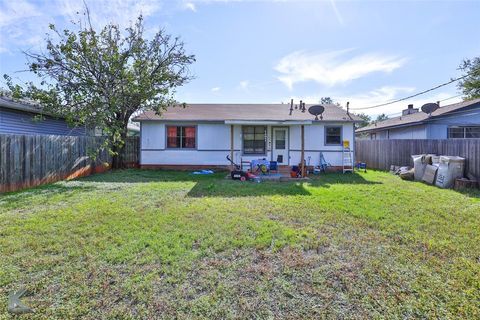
<point>347,162</point>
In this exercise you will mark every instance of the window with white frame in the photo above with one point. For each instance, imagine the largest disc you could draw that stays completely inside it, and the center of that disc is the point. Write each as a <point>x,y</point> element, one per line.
<point>472,132</point>
<point>254,138</point>
<point>181,137</point>
<point>333,135</point>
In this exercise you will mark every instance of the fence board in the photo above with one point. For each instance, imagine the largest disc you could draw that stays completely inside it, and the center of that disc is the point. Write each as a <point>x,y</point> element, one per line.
<point>380,154</point>
<point>27,160</point>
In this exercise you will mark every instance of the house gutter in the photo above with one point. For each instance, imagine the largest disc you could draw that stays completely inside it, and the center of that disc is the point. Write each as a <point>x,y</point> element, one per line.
<point>267,122</point>
<point>390,127</point>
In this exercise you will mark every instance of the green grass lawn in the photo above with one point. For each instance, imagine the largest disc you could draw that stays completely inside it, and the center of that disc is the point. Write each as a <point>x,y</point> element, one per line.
<point>139,244</point>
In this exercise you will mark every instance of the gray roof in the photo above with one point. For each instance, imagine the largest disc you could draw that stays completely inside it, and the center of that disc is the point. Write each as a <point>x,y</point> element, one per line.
<point>244,112</point>
<point>420,117</point>
<point>21,105</point>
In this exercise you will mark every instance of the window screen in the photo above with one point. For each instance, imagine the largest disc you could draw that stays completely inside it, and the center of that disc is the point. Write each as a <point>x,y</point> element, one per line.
<point>181,137</point>
<point>464,132</point>
<point>333,135</point>
<point>254,139</point>
<point>280,139</point>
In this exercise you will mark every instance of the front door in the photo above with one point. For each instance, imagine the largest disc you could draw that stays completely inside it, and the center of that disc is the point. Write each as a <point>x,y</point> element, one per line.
<point>280,146</point>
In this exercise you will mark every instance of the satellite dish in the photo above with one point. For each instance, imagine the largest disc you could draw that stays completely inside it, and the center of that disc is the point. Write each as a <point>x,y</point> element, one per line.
<point>429,108</point>
<point>316,110</point>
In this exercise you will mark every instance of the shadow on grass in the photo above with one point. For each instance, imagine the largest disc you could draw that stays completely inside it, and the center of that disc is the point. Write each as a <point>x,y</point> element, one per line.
<point>329,179</point>
<point>12,200</point>
<point>471,193</point>
<point>232,189</point>
<point>148,176</point>
<point>214,185</point>
<point>229,188</point>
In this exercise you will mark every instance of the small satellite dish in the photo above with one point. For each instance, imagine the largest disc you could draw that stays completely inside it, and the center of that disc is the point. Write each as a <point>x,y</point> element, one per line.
<point>428,108</point>
<point>316,110</point>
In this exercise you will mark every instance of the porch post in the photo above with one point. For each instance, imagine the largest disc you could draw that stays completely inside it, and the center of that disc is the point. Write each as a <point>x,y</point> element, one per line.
<point>231,146</point>
<point>302,155</point>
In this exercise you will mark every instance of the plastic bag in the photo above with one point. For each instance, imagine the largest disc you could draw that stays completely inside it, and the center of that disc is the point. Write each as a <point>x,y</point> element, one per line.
<point>419,165</point>
<point>449,169</point>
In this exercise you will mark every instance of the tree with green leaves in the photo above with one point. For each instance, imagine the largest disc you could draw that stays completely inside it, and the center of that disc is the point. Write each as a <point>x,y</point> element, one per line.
<point>366,120</point>
<point>326,100</point>
<point>381,117</point>
<point>101,78</point>
<point>470,85</point>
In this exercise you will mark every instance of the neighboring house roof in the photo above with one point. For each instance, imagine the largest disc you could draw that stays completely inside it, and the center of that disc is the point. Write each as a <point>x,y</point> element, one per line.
<point>133,127</point>
<point>21,105</point>
<point>244,112</point>
<point>421,117</point>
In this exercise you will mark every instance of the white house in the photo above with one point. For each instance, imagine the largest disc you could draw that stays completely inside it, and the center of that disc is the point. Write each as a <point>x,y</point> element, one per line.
<point>202,135</point>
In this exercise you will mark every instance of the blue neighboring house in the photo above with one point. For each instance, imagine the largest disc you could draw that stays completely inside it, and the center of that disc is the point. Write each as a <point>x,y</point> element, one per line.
<point>23,118</point>
<point>454,121</point>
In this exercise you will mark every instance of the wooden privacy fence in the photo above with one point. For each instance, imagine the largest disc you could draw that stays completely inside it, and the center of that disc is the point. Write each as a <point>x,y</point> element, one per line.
<point>380,154</point>
<point>31,160</point>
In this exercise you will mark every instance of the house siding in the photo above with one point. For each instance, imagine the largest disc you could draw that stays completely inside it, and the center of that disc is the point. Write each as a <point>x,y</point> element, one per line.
<point>438,128</point>
<point>414,132</point>
<point>213,144</point>
<point>435,128</point>
<point>19,122</point>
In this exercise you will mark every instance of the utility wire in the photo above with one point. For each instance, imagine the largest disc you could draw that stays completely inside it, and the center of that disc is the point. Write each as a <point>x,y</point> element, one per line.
<point>400,112</point>
<point>414,95</point>
<point>458,95</point>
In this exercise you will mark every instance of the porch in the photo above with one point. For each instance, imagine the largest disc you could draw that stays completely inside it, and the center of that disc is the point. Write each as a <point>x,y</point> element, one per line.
<point>268,141</point>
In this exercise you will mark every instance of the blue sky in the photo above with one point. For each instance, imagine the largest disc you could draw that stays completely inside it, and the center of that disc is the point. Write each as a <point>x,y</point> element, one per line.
<point>270,51</point>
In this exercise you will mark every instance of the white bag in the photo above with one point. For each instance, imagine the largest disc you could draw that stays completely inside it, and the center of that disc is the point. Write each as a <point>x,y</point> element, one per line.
<point>419,165</point>
<point>430,172</point>
<point>449,169</point>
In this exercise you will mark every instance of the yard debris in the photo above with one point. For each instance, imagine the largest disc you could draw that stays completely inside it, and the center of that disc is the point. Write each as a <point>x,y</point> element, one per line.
<point>465,183</point>
<point>419,163</point>
<point>203,172</point>
<point>470,176</point>
<point>407,174</point>
<point>430,173</point>
<point>394,169</point>
<point>449,169</point>
<point>442,171</point>
<point>16,306</point>
<point>397,170</point>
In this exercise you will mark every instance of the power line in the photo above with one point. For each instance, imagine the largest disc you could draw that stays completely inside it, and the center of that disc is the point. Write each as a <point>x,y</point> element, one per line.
<point>414,95</point>
<point>472,112</point>
<point>458,95</point>
<point>400,112</point>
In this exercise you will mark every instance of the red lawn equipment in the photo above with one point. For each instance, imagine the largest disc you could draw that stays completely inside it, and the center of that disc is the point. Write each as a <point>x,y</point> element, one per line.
<point>238,173</point>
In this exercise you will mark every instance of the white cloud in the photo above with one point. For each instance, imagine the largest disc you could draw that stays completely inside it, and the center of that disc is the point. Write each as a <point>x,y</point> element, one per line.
<point>190,6</point>
<point>121,12</point>
<point>331,68</point>
<point>244,84</point>
<point>215,89</point>
<point>24,23</point>
<point>337,12</point>
<point>14,11</point>
<point>379,96</point>
<point>386,94</point>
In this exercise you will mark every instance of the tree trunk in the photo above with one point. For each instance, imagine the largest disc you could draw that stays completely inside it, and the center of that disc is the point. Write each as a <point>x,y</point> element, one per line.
<point>118,148</point>
<point>117,159</point>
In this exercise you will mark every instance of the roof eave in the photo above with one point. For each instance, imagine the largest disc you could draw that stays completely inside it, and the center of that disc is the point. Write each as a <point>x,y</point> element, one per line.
<point>241,121</point>
<point>26,108</point>
<point>363,130</point>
